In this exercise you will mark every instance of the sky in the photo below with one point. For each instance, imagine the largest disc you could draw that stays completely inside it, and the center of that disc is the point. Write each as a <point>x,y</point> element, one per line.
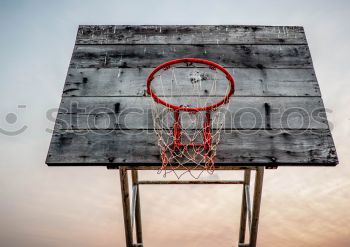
<point>56,206</point>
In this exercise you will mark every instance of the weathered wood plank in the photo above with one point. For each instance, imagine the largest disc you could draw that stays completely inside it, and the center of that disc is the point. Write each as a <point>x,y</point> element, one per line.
<point>237,56</point>
<point>249,147</point>
<point>180,34</point>
<point>242,113</point>
<point>249,82</point>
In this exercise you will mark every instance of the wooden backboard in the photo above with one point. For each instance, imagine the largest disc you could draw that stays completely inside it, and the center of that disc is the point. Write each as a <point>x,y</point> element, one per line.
<point>277,117</point>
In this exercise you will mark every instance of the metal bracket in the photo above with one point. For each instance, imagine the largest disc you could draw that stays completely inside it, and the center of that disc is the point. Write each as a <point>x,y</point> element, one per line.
<point>271,167</point>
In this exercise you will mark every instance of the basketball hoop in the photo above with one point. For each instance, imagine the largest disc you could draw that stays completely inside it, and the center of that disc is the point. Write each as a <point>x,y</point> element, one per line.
<point>190,96</point>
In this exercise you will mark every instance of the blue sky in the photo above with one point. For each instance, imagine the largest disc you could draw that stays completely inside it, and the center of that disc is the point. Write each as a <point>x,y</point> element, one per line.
<point>43,206</point>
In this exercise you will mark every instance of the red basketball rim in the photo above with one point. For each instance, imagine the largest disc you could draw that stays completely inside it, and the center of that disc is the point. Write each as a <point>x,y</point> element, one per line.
<point>192,60</point>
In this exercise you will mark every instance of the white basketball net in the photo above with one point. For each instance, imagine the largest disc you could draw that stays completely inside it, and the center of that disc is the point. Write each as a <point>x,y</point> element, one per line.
<point>190,85</point>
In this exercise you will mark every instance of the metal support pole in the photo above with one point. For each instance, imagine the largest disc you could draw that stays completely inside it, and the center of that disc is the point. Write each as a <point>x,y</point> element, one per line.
<point>137,207</point>
<point>244,208</point>
<point>124,185</point>
<point>249,207</point>
<point>256,205</point>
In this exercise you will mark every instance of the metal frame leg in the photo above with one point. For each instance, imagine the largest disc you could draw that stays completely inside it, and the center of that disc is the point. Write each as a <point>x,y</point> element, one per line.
<point>247,214</point>
<point>137,212</point>
<point>124,185</point>
<point>256,205</point>
<point>244,208</point>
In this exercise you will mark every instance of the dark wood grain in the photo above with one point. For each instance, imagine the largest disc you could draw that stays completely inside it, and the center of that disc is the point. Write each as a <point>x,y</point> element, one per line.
<point>179,34</point>
<point>249,147</point>
<point>236,56</point>
<point>248,82</point>
<point>242,112</point>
